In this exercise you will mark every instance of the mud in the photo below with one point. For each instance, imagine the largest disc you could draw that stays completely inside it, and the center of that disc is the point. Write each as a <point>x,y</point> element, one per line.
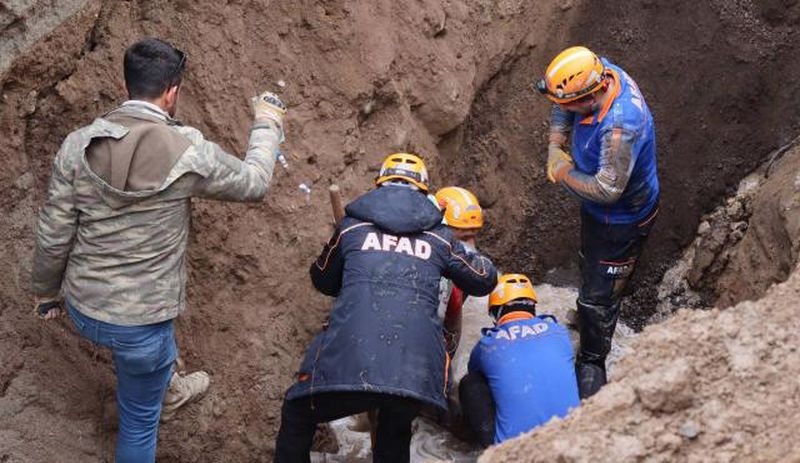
<point>450,80</point>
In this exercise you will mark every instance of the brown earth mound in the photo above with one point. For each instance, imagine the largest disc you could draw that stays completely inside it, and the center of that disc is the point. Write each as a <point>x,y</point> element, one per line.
<point>744,246</point>
<point>704,386</point>
<point>448,79</point>
<point>769,249</point>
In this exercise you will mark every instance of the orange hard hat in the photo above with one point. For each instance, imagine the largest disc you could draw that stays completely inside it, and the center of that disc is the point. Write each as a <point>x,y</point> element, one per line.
<point>573,74</point>
<point>404,166</point>
<point>461,208</point>
<point>510,287</point>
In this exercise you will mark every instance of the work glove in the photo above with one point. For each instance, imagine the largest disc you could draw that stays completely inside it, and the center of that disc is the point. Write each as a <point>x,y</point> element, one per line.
<point>268,106</point>
<point>47,308</point>
<point>559,163</point>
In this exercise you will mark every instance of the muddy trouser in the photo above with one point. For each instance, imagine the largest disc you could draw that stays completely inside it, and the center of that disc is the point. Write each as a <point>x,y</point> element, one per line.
<point>608,257</point>
<point>477,406</point>
<point>299,419</point>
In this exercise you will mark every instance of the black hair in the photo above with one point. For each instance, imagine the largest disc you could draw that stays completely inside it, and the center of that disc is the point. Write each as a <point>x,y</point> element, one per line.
<point>517,305</point>
<point>151,67</point>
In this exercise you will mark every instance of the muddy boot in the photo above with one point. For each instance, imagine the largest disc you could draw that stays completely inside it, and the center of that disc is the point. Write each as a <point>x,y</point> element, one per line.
<point>596,322</point>
<point>591,378</point>
<point>183,389</point>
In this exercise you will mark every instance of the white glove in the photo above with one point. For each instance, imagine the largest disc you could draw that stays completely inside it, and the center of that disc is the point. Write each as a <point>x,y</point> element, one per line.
<point>268,106</point>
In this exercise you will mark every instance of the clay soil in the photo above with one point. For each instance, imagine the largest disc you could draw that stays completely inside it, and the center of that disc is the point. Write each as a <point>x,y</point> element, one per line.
<point>448,79</point>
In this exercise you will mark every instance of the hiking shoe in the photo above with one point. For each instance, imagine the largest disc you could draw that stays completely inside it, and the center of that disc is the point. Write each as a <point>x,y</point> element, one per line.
<point>182,390</point>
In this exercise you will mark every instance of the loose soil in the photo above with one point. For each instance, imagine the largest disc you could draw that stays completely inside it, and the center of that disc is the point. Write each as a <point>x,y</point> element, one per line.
<point>448,79</point>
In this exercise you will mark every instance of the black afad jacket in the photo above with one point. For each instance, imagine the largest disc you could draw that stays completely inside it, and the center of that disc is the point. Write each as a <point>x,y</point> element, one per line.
<point>383,265</point>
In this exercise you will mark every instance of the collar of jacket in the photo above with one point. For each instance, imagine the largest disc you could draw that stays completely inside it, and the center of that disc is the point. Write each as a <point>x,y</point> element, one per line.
<point>147,108</point>
<point>396,210</point>
<point>590,119</point>
<point>514,316</point>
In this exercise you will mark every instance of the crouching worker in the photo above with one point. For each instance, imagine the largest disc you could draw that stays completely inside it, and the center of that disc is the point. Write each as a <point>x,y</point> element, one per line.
<point>383,347</point>
<point>464,216</point>
<point>522,371</point>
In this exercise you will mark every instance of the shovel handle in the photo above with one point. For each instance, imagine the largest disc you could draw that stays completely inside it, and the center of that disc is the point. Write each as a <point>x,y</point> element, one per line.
<point>336,203</point>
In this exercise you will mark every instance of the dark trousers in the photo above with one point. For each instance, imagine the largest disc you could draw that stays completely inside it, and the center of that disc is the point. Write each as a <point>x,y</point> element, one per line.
<point>477,406</point>
<point>299,419</point>
<point>608,257</point>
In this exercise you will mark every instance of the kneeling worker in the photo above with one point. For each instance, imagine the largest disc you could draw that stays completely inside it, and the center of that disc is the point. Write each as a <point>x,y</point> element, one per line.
<point>521,372</point>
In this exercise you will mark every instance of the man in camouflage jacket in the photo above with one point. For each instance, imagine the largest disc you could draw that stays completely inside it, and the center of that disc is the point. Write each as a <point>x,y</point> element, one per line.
<point>112,234</point>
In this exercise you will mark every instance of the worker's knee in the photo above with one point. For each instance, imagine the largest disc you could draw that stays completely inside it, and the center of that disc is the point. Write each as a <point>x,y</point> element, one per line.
<point>478,407</point>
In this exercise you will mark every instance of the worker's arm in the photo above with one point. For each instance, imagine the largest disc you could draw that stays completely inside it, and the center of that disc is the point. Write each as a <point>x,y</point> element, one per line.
<point>225,177</point>
<point>616,165</point>
<point>559,162</point>
<point>560,126</point>
<point>55,231</point>
<point>228,178</point>
<point>326,272</point>
<point>469,270</point>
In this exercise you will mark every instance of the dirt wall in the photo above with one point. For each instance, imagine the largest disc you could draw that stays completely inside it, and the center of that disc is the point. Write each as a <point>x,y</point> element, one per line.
<point>362,79</point>
<point>448,79</point>
<point>24,22</point>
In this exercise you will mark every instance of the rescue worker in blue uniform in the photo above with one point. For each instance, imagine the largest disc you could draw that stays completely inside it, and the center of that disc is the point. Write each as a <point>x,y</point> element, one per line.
<point>611,168</point>
<point>521,372</point>
<point>383,347</point>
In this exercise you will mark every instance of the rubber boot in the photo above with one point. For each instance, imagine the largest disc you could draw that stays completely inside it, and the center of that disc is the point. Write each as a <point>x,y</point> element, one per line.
<point>183,389</point>
<point>597,323</point>
<point>591,378</point>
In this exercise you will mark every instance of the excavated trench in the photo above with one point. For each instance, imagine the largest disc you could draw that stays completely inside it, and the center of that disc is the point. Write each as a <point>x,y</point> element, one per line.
<point>450,80</point>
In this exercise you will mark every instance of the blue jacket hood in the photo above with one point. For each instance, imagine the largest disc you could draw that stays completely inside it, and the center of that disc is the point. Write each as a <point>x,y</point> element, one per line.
<point>396,209</point>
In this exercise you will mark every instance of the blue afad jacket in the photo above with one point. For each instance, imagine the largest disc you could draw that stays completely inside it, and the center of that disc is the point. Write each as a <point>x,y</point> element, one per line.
<point>529,364</point>
<point>614,149</point>
<point>383,265</point>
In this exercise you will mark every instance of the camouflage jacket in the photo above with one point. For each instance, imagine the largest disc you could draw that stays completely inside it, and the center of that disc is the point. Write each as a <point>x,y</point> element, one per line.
<point>112,233</point>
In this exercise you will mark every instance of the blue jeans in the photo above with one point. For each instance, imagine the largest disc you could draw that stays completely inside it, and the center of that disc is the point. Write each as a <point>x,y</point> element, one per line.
<point>143,359</point>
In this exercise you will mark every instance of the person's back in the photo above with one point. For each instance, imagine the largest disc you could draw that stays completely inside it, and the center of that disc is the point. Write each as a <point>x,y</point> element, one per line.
<point>521,372</point>
<point>134,172</point>
<point>112,234</point>
<point>529,364</point>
